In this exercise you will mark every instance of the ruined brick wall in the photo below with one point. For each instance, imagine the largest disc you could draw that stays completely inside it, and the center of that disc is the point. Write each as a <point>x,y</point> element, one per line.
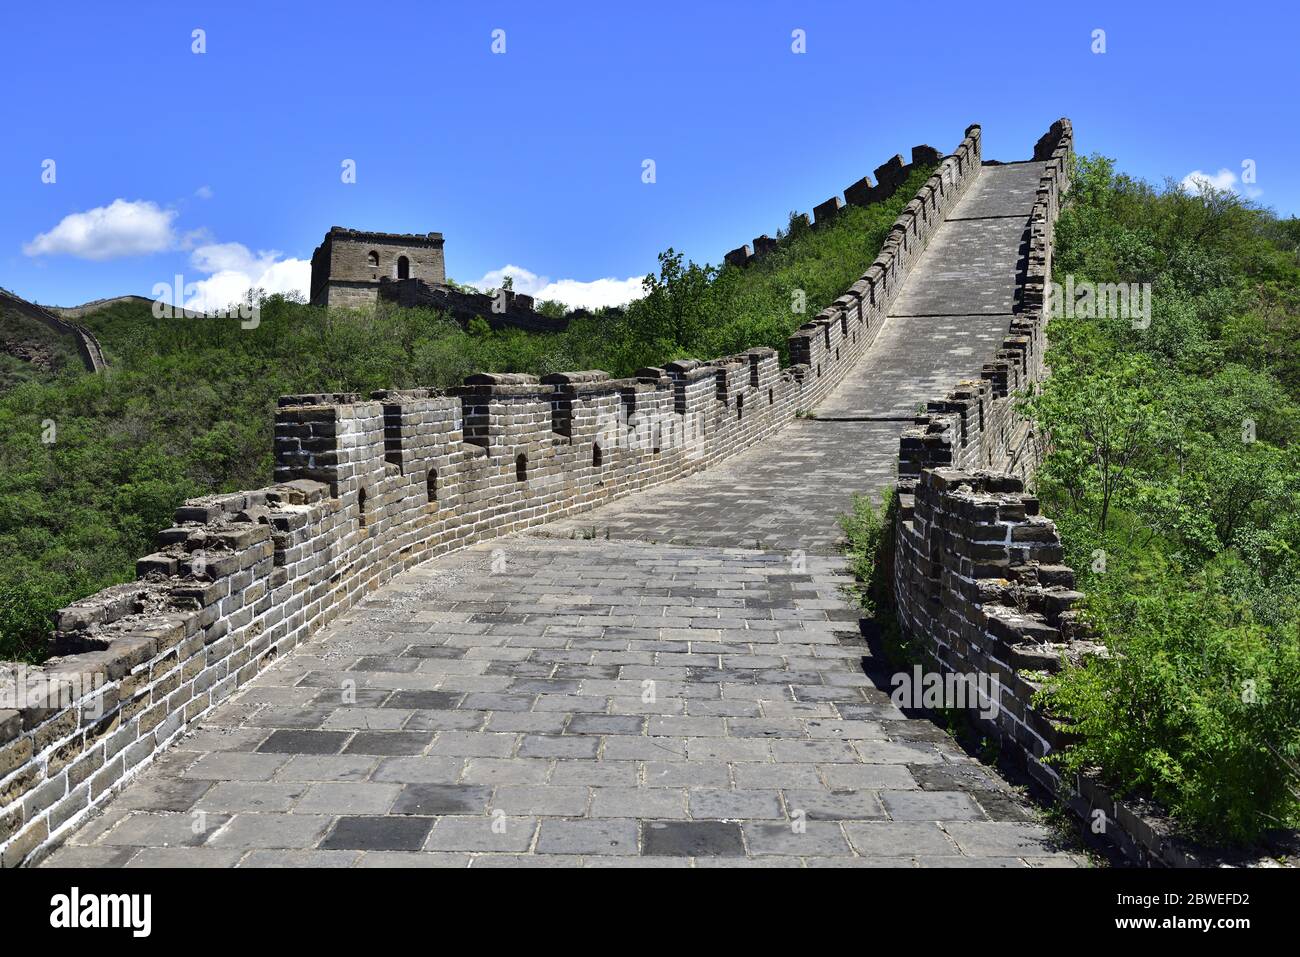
<point>889,177</point>
<point>979,580</point>
<point>366,487</point>
<point>516,309</point>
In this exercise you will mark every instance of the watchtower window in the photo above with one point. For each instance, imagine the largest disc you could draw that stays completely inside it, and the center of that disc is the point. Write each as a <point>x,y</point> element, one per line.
<point>521,467</point>
<point>403,268</point>
<point>431,485</point>
<point>372,259</point>
<point>596,457</point>
<point>361,507</point>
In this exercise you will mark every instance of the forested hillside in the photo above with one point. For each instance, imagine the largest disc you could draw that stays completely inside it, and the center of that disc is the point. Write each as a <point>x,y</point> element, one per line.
<point>1174,476</point>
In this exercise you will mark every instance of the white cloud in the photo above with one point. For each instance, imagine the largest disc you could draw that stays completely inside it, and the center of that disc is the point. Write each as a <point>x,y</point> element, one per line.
<point>204,192</point>
<point>233,269</point>
<point>1198,182</point>
<point>594,294</point>
<point>575,293</point>
<point>108,232</point>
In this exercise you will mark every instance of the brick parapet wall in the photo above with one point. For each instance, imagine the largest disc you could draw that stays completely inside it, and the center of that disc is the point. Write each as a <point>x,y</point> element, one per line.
<point>366,487</point>
<point>979,580</point>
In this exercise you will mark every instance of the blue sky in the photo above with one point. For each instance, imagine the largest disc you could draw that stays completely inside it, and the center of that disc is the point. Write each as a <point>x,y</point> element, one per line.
<point>226,166</point>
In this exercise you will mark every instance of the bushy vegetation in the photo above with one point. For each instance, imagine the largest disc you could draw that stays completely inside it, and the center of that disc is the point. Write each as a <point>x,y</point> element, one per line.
<point>1174,476</point>
<point>187,405</point>
<point>869,546</point>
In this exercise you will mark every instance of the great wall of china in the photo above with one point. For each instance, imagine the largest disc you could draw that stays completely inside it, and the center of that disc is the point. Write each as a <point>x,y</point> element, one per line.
<point>62,321</point>
<point>612,611</point>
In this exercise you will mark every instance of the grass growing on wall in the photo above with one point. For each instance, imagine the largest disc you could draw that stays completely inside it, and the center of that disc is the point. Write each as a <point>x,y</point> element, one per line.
<point>1174,478</point>
<point>187,405</point>
<point>869,546</point>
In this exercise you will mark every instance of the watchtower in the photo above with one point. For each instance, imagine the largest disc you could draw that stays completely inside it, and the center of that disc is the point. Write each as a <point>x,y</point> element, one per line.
<point>347,266</point>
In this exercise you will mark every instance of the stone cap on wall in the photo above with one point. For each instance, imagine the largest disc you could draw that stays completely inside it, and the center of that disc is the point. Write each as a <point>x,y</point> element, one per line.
<point>406,239</point>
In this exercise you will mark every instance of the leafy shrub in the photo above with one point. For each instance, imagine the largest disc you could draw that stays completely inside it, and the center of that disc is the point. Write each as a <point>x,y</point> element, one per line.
<point>869,534</point>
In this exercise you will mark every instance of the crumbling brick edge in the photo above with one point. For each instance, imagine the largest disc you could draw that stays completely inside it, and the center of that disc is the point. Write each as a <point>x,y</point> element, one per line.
<point>368,487</point>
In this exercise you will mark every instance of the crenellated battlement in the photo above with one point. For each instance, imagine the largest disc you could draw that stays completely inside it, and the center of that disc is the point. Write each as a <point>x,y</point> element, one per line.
<point>889,177</point>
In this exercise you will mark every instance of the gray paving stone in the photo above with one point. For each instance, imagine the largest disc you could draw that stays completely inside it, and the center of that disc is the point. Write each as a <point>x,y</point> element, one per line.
<point>70,855</point>
<point>270,830</point>
<point>820,752</point>
<point>557,746</point>
<point>286,858</point>
<point>231,796</point>
<point>333,797</point>
<point>606,724</point>
<point>775,776</point>
<point>332,767</point>
<point>162,829</point>
<point>495,832</point>
<point>550,800</point>
<point>186,857</point>
<point>513,861</point>
<point>507,771</point>
<point>691,774</point>
<point>526,721</point>
<point>304,742</point>
<point>389,742</point>
<point>998,838</point>
<point>867,777</point>
<point>692,839</point>
<point>821,805</point>
<point>206,740</point>
<point>638,802</point>
<point>813,839</point>
<point>899,839</point>
<point>406,859</point>
<point>236,766</point>
<point>378,833</point>
<point>930,806</point>
<point>163,794</point>
<point>734,805</point>
<point>420,770</point>
<point>365,719</point>
<point>561,836</point>
<point>475,744</point>
<point>439,799</point>
<point>595,773</point>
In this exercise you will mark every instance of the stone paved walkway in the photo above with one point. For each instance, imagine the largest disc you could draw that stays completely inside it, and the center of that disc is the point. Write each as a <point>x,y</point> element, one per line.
<point>674,679</point>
